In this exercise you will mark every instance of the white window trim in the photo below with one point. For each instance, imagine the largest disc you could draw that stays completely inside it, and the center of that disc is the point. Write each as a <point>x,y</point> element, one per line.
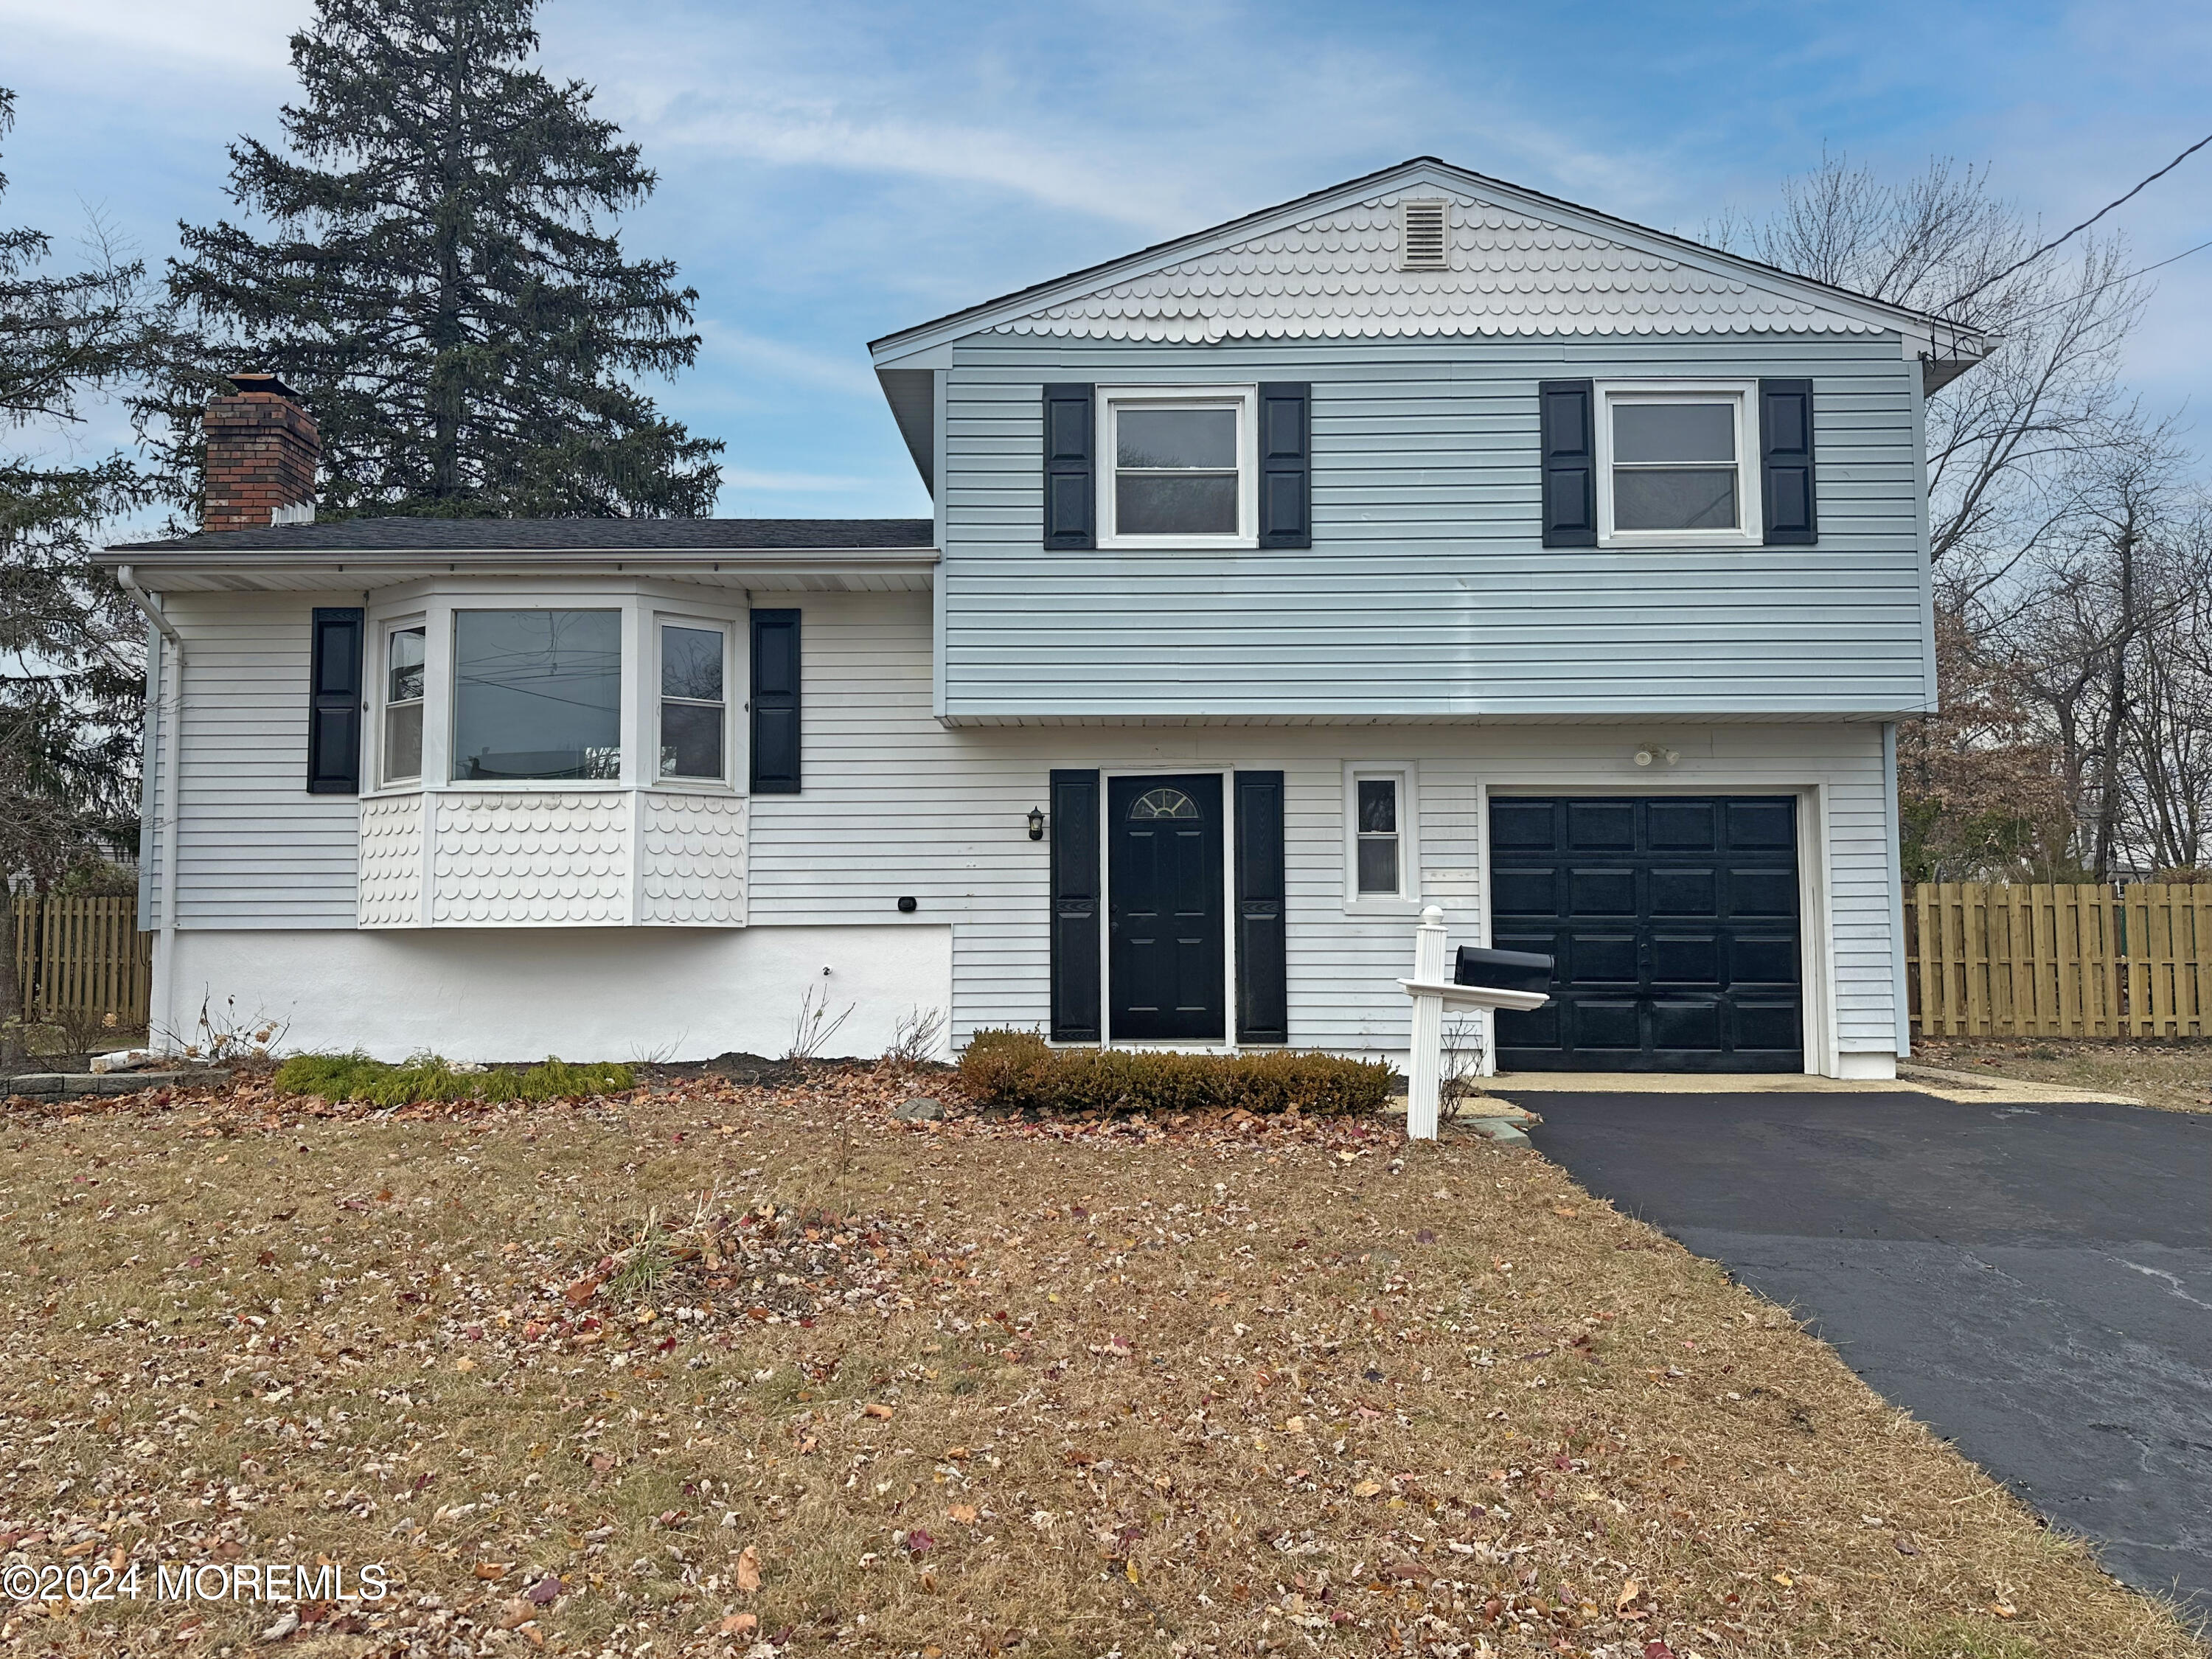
<point>379,703</point>
<point>1750,530</point>
<point>727,629</point>
<point>641,605</point>
<point>1242,399</point>
<point>1406,900</point>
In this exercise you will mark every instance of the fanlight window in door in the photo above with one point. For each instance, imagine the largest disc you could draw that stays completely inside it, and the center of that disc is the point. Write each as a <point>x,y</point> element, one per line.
<point>1164,804</point>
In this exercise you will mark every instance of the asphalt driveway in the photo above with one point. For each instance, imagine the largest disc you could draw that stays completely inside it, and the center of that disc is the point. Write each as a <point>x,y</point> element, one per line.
<point>2034,1282</point>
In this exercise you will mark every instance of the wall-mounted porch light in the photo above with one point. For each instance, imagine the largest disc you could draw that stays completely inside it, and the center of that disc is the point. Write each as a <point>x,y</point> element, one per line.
<point>1037,823</point>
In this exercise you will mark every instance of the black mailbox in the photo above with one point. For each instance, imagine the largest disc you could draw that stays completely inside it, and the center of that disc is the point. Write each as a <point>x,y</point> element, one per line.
<point>1503,970</point>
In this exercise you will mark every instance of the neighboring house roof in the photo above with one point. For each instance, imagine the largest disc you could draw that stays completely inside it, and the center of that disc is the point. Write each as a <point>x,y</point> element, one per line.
<point>418,535</point>
<point>1522,264</point>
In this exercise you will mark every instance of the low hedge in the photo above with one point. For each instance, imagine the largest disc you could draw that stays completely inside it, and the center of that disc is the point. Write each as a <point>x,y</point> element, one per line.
<point>1020,1069</point>
<point>427,1077</point>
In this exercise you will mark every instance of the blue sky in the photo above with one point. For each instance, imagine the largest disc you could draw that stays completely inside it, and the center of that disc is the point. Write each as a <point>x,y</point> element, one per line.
<point>835,171</point>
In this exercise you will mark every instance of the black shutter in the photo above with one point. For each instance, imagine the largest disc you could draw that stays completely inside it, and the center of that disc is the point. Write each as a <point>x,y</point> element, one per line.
<point>1263,1014</point>
<point>1075,907</point>
<point>1069,437</point>
<point>1569,435</point>
<point>775,702</point>
<point>1287,465</point>
<point>334,702</point>
<point>1785,461</point>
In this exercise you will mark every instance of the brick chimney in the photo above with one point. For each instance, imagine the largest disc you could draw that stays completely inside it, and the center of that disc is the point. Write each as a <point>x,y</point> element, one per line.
<point>262,448</point>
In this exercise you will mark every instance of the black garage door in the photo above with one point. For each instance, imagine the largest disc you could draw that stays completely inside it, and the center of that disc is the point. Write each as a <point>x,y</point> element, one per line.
<point>1674,923</point>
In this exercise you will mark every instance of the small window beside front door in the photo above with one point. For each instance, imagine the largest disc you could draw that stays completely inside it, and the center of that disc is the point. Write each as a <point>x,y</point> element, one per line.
<point>1382,864</point>
<point>1378,861</point>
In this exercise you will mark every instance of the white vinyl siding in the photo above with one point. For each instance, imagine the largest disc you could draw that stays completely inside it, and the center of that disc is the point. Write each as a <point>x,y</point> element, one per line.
<point>254,848</point>
<point>899,805</point>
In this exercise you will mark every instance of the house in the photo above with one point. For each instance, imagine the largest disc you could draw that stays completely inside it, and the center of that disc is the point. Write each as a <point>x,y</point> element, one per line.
<point>1426,540</point>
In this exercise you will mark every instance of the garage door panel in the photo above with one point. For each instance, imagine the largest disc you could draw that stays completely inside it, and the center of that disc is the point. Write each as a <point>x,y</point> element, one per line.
<point>1679,960</point>
<point>1600,959</point>
<point>1771,824</point>
<point>1685,893</point>
<point>1606,1027</point>
<point>1516,823</point>
<point>1674,921</point>
<point>1683,826</point>
<point>1763,961</point>
<point>1686,1026</point>
<point>1601,892</point>
<point>1762,892</point>
<point>1600,826</point>
<point>1768,1027</point>
<point>1536,1032</point>
<point>1525,892</point>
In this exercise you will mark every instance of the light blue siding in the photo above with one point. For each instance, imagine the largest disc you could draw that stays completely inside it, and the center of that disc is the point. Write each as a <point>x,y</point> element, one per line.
<point>1426,593</point>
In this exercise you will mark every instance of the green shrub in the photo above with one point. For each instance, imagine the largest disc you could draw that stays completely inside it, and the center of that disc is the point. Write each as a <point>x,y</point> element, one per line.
<point>428,1077</point>
<point>1020,1069</point>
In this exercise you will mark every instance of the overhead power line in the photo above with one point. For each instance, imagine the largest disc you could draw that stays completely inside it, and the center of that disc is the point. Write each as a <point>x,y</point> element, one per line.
<point>2055,240</point>
<point>2129,277</point>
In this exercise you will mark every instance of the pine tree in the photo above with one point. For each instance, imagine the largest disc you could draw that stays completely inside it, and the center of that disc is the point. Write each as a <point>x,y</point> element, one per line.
<point>440,282</point>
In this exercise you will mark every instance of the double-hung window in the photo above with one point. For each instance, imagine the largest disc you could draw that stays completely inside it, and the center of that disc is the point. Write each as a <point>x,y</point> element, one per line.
<point>1677,465</point>
<point>1380,861</point>
<point>694,707</point>
<point>403,704</point>
<point>1183,467</point>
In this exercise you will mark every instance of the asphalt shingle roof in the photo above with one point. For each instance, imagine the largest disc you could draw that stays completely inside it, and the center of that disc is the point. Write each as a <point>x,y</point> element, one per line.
<point>411,535</point>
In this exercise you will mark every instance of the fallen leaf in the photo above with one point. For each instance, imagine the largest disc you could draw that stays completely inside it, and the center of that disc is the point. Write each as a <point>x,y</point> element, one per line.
<point>748,1573</point>
<point>1655,1649</point>
<point>284,1626</point>
<point>1784,1580</point>
<point>963,1513</point>
<point>920,1543</point>
<point>1367,1489</point>
<point>546,1589</point>
<point>882,1412</point>
<point>1630,1592</point>
<point>582,1292</point>
<point>493,1569</point>
<point>738,1623</point>
<point>1565,1209</point>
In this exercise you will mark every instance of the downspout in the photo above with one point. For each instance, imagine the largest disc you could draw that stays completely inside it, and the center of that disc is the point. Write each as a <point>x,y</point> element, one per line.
<point>1894,820</point>
<point>170,731</point>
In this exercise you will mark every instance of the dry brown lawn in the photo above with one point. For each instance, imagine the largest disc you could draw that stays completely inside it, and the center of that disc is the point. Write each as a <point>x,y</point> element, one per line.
<point>2175,1076</point>
<point>975,1387</point>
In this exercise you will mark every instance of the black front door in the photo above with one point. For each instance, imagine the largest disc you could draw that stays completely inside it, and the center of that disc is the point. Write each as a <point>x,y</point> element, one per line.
<point>1165,908</point>
<point>1672,920</point>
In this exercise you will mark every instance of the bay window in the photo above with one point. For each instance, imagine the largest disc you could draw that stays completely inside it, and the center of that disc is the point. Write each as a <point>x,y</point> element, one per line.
<point>403,704</point>
<point>694,710</point>
<point>536,694</point>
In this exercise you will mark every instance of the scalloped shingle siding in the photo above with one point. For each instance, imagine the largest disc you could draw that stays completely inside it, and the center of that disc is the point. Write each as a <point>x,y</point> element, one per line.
<point>694,867</point>
<point>1336,275</point>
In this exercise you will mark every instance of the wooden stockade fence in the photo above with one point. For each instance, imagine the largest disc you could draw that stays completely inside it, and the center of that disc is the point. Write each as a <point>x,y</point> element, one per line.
<point>82,959</point>
<point>2062,961</point>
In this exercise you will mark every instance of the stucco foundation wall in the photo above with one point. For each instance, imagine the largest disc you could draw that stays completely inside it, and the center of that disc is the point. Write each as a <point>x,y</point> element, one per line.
<point>583,994</point>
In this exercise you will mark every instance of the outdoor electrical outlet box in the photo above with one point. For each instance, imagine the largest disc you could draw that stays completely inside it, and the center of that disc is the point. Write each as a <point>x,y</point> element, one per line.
<point>1503,970</point>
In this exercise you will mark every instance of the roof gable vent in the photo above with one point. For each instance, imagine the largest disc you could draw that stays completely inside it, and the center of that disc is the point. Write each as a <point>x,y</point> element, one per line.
<point>1421,242</point>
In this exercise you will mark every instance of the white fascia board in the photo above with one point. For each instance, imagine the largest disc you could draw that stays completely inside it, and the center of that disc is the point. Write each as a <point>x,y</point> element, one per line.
<point>905,348</point>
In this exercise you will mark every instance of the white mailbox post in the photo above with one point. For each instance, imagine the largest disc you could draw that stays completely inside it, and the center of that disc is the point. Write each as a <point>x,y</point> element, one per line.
<point>1430,988</point>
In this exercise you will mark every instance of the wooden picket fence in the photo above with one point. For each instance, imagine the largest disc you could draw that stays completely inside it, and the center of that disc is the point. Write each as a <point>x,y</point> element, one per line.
<point>82,959</point>
<point>1987,959</point>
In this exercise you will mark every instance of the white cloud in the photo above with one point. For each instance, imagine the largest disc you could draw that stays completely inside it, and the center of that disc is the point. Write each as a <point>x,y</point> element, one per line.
<point>194,34</point>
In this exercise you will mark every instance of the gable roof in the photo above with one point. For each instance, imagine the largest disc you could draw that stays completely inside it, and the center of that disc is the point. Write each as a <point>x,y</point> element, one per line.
<point>1522,262</point>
